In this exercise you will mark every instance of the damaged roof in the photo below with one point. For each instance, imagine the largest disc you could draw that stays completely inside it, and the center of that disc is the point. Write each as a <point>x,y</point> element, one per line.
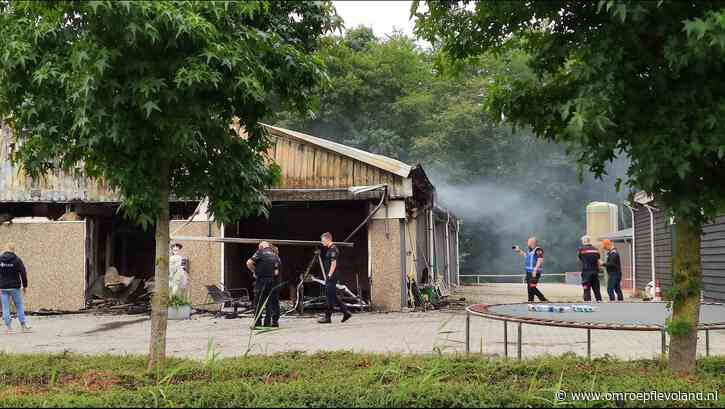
<point>378,161</point>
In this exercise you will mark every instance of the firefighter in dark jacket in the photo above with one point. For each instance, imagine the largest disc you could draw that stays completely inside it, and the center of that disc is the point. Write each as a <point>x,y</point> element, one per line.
<point>614,271</point>
<point>13,277</point>
<point>590,257</point>
<point>265,265</point>
<point>329,262</point>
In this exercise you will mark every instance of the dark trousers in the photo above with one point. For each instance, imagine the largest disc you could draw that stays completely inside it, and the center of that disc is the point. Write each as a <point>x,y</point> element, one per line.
<point>590,281</point>
<point>332,300</point>
<point>266,291</point>
<point>531,286</point>
<point>614,287</point>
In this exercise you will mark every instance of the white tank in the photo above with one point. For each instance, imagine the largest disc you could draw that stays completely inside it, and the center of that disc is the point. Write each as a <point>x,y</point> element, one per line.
<point>602,218</point>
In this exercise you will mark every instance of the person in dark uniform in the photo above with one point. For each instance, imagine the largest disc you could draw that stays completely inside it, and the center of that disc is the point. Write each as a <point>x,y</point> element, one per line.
<point>329,262</point>
<point>265,265</point>
<point>534,266</point>
<point>589,257</point>
<point>614,271</point>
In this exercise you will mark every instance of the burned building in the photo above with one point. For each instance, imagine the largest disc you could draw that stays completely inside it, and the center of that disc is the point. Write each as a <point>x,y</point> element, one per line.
<point>69,232</point>
<point>654,241</point>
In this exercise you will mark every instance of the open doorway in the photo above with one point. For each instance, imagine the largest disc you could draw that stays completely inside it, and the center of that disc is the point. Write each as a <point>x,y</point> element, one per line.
<point>302,221</point>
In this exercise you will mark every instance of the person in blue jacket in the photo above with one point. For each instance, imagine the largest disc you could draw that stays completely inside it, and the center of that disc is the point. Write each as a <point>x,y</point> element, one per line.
<point>534,266</point>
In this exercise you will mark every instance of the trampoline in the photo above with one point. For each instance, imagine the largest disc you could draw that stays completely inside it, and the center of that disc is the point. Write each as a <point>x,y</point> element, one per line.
<point>622,316</point>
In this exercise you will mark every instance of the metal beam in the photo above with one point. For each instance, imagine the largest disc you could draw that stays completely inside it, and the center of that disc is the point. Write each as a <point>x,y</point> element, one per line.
<point>236,240</point>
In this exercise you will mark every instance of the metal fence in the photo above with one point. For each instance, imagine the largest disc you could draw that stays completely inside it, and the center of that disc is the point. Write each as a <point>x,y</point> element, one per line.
<point>478,279</point>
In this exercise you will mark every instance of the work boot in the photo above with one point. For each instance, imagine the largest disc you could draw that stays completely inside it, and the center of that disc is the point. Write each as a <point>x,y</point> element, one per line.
<point>346,316</point>
<point>325,320</point>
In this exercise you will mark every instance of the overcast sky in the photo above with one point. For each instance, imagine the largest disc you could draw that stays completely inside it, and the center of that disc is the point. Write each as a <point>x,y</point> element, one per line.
<point>382,16</point>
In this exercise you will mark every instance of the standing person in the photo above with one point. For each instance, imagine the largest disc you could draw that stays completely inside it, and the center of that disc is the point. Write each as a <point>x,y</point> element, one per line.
<point>534,266</point>
<point>13,277</point>
<point>614,271</point>
<point>264,264</point>
<point>589,257</point>
<point>329,262</point>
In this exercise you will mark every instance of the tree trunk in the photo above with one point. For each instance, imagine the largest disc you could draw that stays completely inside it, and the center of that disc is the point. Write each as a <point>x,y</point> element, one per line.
<point>160,300</point>
<point>687,280</point>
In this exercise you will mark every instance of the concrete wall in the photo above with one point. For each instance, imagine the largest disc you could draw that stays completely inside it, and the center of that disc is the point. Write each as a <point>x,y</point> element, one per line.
<point>386,266</point>
<point>54,256</point>
<point>204,257</point>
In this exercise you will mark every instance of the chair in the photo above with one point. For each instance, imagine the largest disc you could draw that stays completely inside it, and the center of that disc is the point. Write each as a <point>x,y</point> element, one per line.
<point>219,296</point>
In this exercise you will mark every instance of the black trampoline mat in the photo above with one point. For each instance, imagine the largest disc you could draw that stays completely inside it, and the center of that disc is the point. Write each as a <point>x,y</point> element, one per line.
<point>626,313</point>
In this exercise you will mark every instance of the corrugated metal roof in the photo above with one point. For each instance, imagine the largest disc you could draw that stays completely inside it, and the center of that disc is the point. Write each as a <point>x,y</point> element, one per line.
<point>379,161</point>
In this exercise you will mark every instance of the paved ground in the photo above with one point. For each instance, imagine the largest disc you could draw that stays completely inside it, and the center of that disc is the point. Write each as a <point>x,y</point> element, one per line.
<point>419,333</point>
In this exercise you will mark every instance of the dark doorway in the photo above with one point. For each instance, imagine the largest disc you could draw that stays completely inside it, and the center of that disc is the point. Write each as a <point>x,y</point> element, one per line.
<point>303,221</point>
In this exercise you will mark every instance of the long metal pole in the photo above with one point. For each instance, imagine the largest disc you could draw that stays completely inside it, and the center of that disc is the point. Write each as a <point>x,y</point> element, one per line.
<point>448,249</point>
<point>519,344</point>
<point>634,249</point>
<point>506,339</point>
<point>458,256</point>
<point>468,332</point>
<point>707,342</point>
<point>256,241</point>
<point>652,242</point>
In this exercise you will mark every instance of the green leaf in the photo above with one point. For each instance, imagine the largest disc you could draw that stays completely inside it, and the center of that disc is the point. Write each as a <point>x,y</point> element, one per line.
<point>151,106</point>
<point>697,28</point>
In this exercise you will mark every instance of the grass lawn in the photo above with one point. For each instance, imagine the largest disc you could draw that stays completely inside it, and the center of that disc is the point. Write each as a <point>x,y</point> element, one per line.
<point>341,380</point>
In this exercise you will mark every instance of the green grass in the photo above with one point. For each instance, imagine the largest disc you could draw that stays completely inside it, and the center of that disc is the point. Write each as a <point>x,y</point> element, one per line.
<point>337,379</point>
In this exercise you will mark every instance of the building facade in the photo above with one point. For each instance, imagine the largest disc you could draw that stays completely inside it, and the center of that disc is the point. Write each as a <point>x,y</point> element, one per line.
<point>400,231</point>
<point>653,236</point>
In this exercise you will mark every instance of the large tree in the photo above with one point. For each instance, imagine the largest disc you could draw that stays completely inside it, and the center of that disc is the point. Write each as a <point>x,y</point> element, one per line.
<point>388,95</point>
<point>142,95</point>
<point>608,78</point>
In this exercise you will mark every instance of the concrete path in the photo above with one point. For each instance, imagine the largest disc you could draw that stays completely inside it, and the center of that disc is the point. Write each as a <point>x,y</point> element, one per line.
<point>415,333</point>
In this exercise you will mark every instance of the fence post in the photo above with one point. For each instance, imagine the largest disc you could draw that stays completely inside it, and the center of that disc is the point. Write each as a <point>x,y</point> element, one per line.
<point>664,343</point>
<point>468,332</point>
<point>506,339</point>
<point>589,343</point>
<point>519,352</point>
